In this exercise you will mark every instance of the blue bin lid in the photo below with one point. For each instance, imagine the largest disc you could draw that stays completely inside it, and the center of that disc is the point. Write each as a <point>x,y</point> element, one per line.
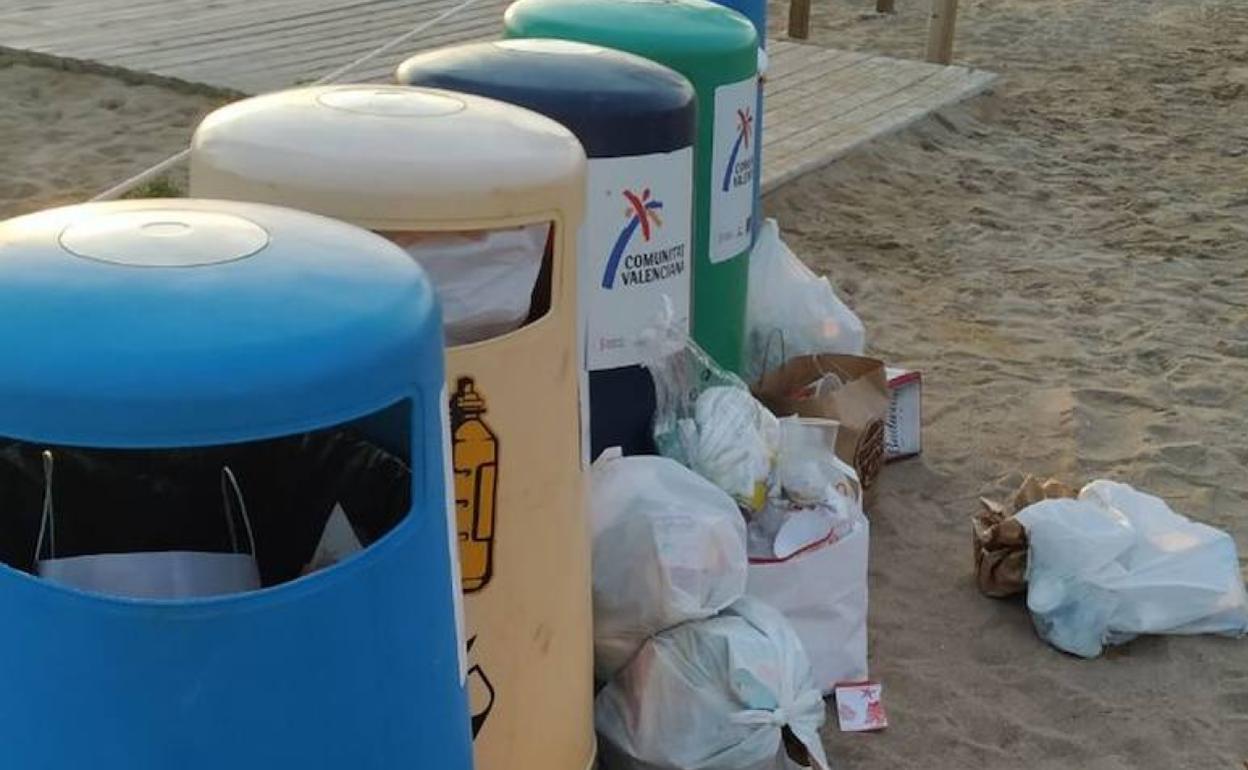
<point>178,323</point>
<point>616,103</point>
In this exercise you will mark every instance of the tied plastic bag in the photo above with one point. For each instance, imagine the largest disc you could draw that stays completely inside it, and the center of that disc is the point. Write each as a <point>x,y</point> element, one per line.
<point>484,278</point>
<point>716,694</point>
<point>1117,563</point>
<point>787,300</point>
<point>707,420</point>
<point>668,547</point>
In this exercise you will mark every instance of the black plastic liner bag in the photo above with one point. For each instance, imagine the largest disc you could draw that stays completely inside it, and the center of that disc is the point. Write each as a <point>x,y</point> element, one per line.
<point>133,501</point>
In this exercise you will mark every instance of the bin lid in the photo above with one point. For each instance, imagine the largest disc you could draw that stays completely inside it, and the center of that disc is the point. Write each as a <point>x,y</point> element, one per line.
<point>707,42</point>
<point>177,323</point>
<point>390,157</point>
<point>616,103</point>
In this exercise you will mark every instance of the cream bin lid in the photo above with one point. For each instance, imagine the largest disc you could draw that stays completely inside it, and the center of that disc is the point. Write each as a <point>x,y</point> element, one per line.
<point>391,157</point>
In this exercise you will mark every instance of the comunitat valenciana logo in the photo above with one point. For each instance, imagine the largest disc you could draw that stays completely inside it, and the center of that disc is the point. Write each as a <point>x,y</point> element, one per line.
<point>737,174</point>
<point>641,265</point>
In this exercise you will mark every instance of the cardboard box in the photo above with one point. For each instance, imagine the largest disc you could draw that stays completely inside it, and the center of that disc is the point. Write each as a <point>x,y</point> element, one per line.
<point>903,430</point>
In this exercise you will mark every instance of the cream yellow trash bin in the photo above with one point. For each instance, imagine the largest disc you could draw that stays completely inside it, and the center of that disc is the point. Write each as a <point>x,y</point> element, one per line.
<point>466,182</point>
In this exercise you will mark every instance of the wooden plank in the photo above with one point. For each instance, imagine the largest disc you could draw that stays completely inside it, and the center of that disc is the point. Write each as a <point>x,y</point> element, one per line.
<point>901,109</point>
<point>808,60</point>
<point>174,33</point>
<point>860,108</point>
<point>370,15</point>
<point>306,57</point>
<point>362,23</point>
<point>250,80</point>
<point>822,86</point>
<point>820,102</point>
<point>870,80</point>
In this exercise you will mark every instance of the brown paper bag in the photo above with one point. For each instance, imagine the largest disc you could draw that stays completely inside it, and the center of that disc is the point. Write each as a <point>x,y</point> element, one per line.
<point>1000,541</point>
<point>849,389</point>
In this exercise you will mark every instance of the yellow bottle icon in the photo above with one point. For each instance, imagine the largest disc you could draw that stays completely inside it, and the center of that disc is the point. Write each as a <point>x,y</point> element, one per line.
<point>475,454</point>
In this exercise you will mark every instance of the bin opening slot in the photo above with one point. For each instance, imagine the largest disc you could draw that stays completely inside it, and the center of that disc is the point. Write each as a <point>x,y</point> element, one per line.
<point>293,504</point>
<point>490,282</point>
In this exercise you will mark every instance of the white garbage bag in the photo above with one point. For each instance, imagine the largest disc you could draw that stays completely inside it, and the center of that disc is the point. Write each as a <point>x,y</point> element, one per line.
<point>668,547</point>
<point>484,278</point>
<point>714,694</point>
<point>732,440</point>
<point>790,307</point>
<point>1117,563</point>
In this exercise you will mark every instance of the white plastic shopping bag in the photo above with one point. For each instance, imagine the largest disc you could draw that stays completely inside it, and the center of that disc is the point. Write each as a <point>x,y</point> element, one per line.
<point>788,304</point>
<point>1117,563</point>
<point>155,574</point>
<point>810,563</point>
<point>484,278</point>
<point>668,547</point>
<point>714,694</point>
<point>822,591</point>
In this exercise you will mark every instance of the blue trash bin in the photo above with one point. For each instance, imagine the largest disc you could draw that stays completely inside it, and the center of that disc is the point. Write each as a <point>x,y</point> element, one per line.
<point>637,121</point>
<point>182,324</point>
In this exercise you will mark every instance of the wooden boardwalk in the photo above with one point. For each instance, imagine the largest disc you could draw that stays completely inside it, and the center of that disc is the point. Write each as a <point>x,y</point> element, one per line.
<point>821,102</point>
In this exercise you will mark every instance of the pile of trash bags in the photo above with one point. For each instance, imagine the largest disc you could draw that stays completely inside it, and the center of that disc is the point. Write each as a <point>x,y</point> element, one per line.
<point>697,674</point>
<point>730,570</point>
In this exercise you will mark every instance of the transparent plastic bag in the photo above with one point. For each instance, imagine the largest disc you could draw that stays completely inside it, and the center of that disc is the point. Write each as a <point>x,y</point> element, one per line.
<point>1117,563</point>
<point>668,547</point>
<point>715,694</point>
<point>788,302</point>
<point>707,420</point>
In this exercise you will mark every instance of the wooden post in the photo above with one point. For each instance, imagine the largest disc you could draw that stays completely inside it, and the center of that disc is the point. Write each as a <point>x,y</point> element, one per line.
<point>799,19</point>
<point>940,26</point>
<point>885,6</point>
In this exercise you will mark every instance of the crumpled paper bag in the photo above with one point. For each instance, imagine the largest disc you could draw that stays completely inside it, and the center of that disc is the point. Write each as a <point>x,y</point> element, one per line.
<point>1000,541</point>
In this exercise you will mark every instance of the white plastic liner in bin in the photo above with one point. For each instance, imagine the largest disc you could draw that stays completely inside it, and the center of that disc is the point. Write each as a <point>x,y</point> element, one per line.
<point>669,547</point>
<point>715,694</point>
<point>484,278</point>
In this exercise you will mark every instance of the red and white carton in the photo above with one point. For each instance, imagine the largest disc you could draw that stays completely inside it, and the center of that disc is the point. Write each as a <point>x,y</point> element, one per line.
<point>903,430</point>
<point>860,707</point>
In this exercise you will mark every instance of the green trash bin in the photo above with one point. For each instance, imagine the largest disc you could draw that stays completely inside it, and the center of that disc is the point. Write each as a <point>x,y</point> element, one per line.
<point>717,50</point>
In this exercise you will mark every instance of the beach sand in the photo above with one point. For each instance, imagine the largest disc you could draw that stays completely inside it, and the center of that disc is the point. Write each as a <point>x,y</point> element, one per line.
<point>66,134</point>
<point>1064,260</point>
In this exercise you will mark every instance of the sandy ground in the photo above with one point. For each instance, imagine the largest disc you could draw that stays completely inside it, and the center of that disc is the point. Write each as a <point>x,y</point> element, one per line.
<point>67,135</point>
<point>1064,262</point>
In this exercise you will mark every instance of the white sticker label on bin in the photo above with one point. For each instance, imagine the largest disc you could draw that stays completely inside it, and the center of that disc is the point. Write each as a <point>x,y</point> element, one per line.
<point>638,247</point>
<point>452,533</point>
<point>732,169</point>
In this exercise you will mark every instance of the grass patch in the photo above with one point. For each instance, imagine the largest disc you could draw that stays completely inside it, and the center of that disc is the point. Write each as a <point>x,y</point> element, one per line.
<point>160,187</point>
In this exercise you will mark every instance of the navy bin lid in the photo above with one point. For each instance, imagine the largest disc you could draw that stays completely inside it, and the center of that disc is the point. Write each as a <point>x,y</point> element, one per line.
<point>616,103</point>
<point>182,323</point>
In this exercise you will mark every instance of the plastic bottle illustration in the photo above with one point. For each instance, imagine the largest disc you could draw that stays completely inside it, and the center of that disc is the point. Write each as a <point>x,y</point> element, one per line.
<point>475,452</point>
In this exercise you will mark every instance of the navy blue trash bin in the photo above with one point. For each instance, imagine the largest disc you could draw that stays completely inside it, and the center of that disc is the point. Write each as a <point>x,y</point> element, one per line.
<point>637,121</point>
